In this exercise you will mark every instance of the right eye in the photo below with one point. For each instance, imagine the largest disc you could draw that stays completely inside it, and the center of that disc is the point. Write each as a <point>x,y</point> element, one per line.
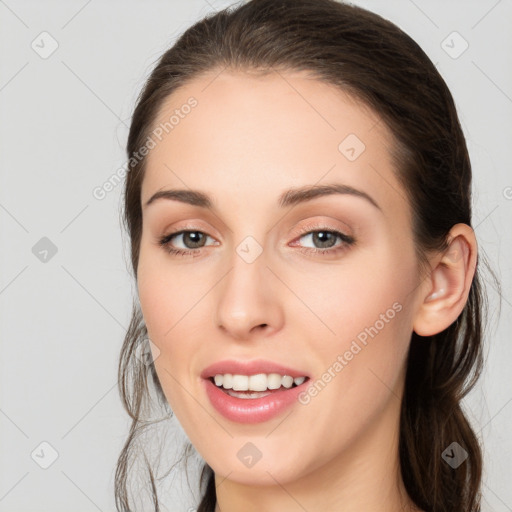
<point>193,237</point>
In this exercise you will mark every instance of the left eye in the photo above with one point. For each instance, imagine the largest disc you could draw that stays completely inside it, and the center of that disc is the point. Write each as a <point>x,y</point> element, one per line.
<point>326,239</point>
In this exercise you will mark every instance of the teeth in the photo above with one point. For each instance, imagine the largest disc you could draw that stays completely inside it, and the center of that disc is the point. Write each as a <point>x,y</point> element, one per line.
<point>227,381</point>
<point>240,383</point>
<point>258,382</point>
<point>274,381</point>
<point>287,381</point>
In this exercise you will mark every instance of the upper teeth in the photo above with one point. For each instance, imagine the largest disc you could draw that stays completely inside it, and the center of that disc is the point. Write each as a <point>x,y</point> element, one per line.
<point>258,382</point>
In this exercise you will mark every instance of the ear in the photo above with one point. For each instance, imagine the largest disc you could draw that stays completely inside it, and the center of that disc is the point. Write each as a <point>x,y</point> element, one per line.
<point>445,290</point>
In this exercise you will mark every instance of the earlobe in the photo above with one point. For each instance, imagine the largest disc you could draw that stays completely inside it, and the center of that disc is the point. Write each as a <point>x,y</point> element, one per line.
<point>446,289</point>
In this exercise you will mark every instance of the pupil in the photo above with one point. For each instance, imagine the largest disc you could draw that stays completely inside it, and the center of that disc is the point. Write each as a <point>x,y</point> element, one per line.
<point>192,235</point>
<point>320,235</point>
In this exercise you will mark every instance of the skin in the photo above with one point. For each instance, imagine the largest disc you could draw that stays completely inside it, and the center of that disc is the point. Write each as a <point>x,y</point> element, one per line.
<point>249,139</point>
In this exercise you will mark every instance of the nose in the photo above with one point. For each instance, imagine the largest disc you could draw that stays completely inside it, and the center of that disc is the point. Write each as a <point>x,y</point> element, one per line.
<point>248,300</point>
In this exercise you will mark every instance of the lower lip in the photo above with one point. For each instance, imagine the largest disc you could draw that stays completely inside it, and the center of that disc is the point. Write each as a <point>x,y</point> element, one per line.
<point>252,410</point>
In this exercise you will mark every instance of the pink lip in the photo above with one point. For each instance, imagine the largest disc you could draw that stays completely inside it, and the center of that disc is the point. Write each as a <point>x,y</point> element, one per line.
<point>249,368</point>
<point>254,410</point>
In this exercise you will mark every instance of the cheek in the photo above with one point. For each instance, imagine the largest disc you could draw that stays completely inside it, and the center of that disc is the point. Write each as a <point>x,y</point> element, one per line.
<point>174,314</point>
<point>154,305</point>
<point>163,310</point>
<point>160,291</point>
<point>338,303</point>
<point>366,321</point>
<point>361,374</point>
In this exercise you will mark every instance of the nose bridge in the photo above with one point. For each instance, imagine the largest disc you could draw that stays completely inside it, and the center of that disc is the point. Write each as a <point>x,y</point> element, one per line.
<point>246,298</point>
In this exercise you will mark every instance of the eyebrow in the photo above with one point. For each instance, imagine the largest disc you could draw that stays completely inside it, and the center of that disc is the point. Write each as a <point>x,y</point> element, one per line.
<point>288,198</point>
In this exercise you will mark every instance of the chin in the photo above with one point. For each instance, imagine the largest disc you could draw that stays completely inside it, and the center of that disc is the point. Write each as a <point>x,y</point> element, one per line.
<point>266,471</point>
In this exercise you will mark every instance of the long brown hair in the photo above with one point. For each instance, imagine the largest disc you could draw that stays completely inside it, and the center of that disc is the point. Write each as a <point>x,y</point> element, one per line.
<point>381,66</point>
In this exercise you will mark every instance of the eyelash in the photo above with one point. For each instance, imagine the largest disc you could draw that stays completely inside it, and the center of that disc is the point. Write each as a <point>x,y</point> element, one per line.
<point>347,241</point>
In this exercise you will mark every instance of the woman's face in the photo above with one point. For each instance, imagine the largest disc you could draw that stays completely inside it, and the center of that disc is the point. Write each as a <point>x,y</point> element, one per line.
<point>277,280</point>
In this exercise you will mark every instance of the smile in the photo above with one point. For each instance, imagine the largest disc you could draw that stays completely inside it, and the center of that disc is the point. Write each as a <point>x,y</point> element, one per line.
<point>244,396</point>
<point>259,382</point>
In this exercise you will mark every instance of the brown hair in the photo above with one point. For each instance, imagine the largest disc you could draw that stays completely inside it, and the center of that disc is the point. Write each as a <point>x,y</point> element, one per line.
<point>382,67</point>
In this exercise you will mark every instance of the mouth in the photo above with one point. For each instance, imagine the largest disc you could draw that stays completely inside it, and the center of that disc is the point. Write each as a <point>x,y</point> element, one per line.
<point>247,387</point>
<point>253,391</point>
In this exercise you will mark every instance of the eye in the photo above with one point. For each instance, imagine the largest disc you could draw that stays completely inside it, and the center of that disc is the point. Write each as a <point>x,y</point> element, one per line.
<point>194,238</point>
<point>324,239</point>
<point>322,236</point>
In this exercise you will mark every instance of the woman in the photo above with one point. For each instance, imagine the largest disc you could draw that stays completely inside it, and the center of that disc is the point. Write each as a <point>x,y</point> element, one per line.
<point>299,211</point>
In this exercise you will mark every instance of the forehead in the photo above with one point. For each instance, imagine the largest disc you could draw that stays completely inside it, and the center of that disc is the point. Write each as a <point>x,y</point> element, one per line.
<point>258,135</point>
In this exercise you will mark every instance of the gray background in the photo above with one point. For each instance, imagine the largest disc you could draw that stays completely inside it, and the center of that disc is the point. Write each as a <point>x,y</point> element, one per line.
<point>64,122</point>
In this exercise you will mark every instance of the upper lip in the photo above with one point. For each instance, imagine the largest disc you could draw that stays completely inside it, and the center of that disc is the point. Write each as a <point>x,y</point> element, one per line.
<point>253,367</point>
